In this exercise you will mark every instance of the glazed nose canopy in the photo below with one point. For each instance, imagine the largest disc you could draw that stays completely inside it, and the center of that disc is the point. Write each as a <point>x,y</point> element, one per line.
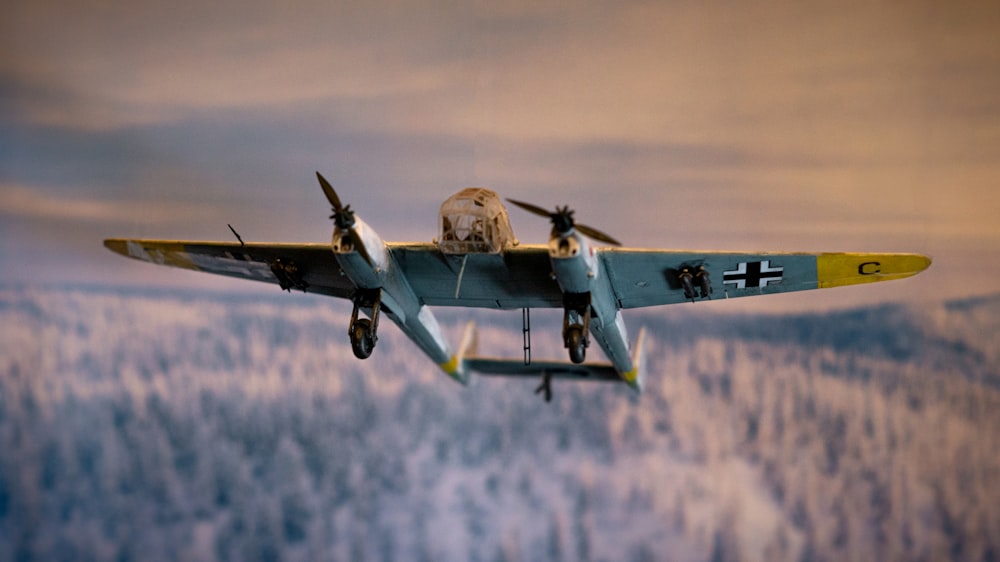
<point>474,220</point>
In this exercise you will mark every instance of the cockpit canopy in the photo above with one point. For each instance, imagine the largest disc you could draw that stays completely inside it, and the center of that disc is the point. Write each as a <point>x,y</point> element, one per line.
<point>474,220</point>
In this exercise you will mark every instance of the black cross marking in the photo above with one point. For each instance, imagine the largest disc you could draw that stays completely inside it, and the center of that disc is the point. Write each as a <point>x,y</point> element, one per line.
<point>752,274</point>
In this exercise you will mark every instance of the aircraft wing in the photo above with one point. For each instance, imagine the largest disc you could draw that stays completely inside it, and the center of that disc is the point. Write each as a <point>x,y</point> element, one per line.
<point>311,267</point>
<point>522,276</point>
<point>651,277</point>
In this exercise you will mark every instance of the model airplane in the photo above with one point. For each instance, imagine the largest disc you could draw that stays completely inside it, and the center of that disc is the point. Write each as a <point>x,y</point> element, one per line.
<point>477,262</point>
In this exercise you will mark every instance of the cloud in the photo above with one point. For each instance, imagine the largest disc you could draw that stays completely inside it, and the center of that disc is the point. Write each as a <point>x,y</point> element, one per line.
<point>25,202</point>
<point>683,124</point>
<point>143,64</point>
<point>855,83</point>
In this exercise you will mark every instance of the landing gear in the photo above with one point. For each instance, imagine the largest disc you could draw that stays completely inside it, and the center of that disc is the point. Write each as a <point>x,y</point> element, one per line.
<point>363,331</point>
<point>363,338</point>
<point>576,325</point>
<point>577,344</point>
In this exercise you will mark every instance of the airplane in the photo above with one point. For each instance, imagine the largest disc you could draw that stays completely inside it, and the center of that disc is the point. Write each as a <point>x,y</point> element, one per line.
<point>476,261</point>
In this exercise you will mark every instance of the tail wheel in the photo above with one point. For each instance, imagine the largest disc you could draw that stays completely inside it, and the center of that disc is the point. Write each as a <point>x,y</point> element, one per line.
<point>577,344</point>
<point>362,338</point>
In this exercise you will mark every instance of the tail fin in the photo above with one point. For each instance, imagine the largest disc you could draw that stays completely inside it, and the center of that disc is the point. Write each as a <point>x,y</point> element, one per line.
<point>456,367</point>
<point>470,341</point>
<point>639,359</point>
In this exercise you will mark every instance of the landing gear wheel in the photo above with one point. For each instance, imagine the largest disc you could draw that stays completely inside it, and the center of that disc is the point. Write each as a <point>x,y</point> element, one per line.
<point>577,344</point>
<point>362,338</point>
<point>363,330</point>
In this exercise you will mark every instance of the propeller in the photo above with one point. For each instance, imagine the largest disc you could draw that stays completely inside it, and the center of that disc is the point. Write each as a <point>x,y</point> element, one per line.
<point>343,217</point>
<point>563,223</point>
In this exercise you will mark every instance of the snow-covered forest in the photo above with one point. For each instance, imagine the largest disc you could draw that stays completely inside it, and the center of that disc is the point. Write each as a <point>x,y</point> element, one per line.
<point>167,426</point>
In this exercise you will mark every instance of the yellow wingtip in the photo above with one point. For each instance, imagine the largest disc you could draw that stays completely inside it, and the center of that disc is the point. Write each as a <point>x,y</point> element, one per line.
<point>838,270</point>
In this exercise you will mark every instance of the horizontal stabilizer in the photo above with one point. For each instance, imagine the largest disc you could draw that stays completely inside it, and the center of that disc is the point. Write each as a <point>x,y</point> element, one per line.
<point>555,369</point>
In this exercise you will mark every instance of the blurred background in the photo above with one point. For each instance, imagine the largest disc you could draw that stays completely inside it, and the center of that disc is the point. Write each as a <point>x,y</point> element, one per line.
<point>154,413</point>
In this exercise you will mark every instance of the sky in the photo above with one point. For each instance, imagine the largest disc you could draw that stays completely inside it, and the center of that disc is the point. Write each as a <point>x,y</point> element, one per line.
<point>782,126</point>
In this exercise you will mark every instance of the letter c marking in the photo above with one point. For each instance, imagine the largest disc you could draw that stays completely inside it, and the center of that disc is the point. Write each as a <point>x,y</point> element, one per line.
<point>870,268</point>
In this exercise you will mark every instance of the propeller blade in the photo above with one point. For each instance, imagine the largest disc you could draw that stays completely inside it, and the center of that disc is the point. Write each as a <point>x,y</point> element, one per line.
<point>597,235</point>
<point>343,217</point>
<point>359,246</point>
<point>331,195</point>
<point>562,222</point>
<point>532,208</point>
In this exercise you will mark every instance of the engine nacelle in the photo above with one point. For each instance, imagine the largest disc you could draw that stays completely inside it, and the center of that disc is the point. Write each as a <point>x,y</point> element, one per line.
<point>574,263</point>
<point>362,254</point>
